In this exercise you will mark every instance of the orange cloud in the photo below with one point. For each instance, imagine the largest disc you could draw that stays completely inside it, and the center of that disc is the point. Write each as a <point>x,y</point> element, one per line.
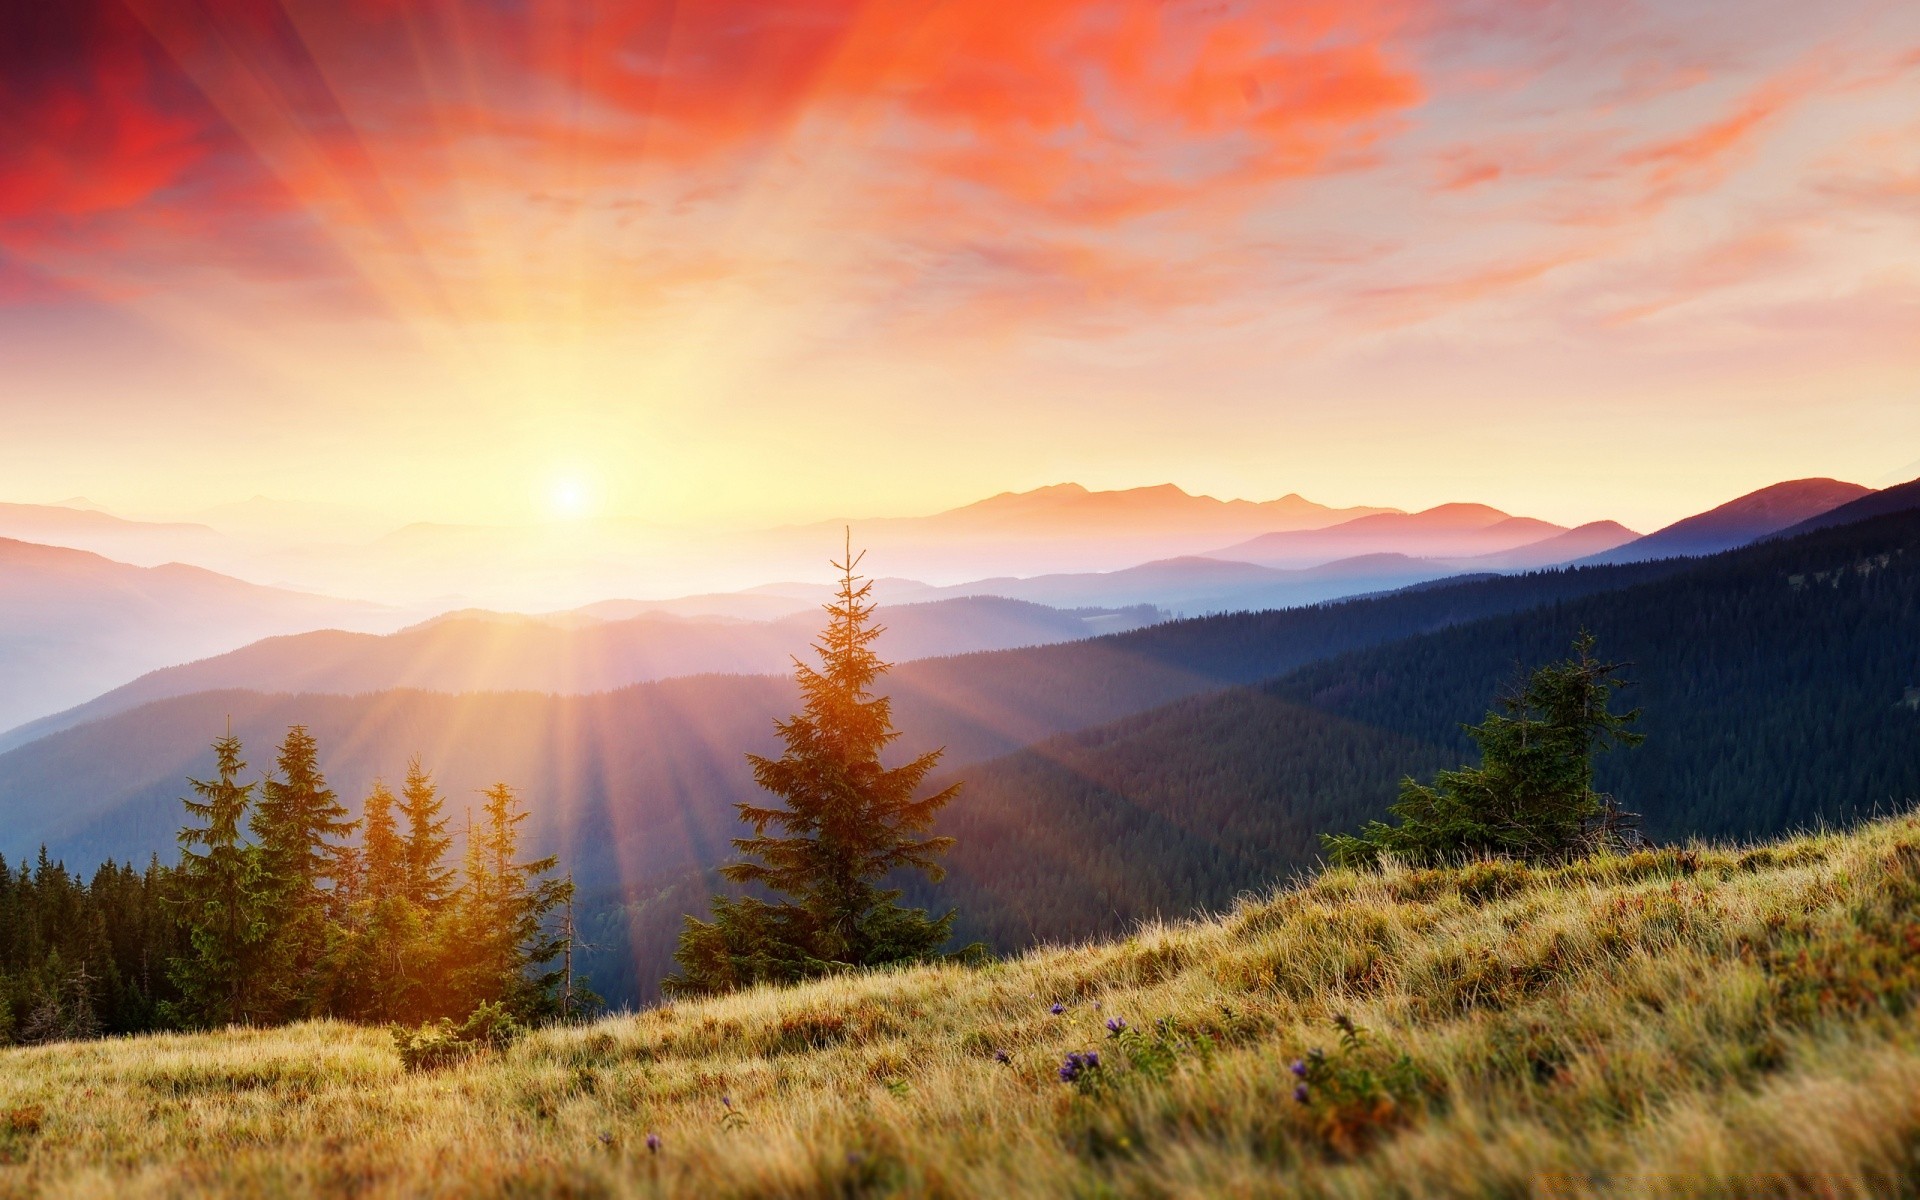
<point>1706,150</point>
<point>1728,263</point>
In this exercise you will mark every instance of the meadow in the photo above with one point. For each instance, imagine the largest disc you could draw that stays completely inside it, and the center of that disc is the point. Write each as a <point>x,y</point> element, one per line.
<point>1680,1021</point>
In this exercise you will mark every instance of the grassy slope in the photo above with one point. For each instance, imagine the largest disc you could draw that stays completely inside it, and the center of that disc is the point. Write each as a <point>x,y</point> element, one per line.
<point>1695,1021</point>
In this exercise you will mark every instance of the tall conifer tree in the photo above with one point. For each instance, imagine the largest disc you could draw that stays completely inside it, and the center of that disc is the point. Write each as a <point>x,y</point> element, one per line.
<point>428,882</point>
<point>301,826</point>
<point>218,897</point>
<point>506,955</point>
<point>847,821</point>
<point>377,954</point>
<point>384,854</point>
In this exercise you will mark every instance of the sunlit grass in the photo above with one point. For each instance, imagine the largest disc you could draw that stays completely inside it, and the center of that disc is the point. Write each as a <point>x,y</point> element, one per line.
<point>1674,1022</point>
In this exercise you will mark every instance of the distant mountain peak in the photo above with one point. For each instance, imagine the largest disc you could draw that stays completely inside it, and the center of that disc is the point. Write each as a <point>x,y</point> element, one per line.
<point>1739,521</point>
<point>1445,531</point>
<point>1464,513</point>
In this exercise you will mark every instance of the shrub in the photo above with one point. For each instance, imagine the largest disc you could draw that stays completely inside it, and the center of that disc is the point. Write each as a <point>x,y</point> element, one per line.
<point>442,1043</point>
<point>1531,797</point>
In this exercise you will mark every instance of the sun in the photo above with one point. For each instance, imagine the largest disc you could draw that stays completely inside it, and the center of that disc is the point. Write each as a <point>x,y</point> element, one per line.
<point>569,498</point>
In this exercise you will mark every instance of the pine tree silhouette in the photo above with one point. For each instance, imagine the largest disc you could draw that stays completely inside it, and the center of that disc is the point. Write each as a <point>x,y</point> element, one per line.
<point>847,821</point>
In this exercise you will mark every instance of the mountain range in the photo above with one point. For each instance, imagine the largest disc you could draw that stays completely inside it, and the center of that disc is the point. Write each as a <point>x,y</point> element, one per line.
<point>1196,585</point>
<point>1775,682</point>
<point>142,543</point>
<point>1446,531</point>
<point>1065,527</point>
<point>473,652</point>
<point>1737,522</point>
<point>73,634</point>
<point>76,624</point>
<point>1211,746</point>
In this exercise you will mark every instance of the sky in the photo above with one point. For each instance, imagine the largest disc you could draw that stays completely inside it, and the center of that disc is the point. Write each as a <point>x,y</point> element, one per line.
<point>686,261</point>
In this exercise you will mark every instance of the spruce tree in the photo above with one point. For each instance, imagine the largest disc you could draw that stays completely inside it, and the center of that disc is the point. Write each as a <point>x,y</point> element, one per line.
<point>428,883</point>
<point>218,894</point>
<point>505,955</point>
<point>376,952</point>
<point>383,853</point>
<point>301,827</point>
<point>1532,795</point>
<point>847,821</point>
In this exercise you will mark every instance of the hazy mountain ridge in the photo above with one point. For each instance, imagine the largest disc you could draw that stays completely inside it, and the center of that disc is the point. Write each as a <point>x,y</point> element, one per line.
<point>1064,528</point>
<point>139,543</point>
<point>1447,531</point>
<point>1744,519</point>
<point>1072,510</point>
<point>475,652</point>
<point>635,788</point>
<point>77,624</point>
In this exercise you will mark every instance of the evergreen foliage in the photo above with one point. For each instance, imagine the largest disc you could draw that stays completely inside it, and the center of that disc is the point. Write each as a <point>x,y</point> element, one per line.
<point>191,946</point>
<point>428,883</point>
<point>218,895</point>
<point>81,954</point>
<point>1532,795</point>
<point>301,827</point>
<point>383,854</point>
<point>379,956</point>
<point>846,822</point>
<point>503,952</point>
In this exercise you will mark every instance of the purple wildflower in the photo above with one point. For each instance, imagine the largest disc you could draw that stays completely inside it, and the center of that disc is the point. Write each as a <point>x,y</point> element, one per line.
<point>727,1100</point>
<point>1300,1092</point>
<point>1079,1064</point>
<point>1001,1056</point>
<point>653,1143</point>
<point>1057,1008</point>
<point>1299,1068</point>
<point>1116,1026</point>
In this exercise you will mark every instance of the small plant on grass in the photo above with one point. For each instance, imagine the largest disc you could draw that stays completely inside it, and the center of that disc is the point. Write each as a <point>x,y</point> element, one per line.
<point>1082,1070</point>
<point>1359,1092</point>
<point>1154,1056</point>
<point>1148,1058</point>
<point>18,1128</point>
<point>442,1043</point>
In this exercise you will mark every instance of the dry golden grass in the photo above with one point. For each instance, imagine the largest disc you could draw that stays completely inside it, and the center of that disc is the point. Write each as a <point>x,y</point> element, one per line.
<point>1680,1022</point>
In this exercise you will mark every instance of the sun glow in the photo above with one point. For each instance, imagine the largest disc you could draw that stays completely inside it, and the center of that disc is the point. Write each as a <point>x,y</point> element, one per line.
<point>569,498</point>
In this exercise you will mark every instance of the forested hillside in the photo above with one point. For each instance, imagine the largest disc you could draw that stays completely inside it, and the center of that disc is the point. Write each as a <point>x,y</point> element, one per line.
<point>635,788</point>
<point>642,778</point>
<point>1773,681</point>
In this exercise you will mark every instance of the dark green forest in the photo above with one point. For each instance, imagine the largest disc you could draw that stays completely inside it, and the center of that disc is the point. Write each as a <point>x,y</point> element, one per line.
<point>82,955</point>
<point>1773,681</point>
<point>275,911</point>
